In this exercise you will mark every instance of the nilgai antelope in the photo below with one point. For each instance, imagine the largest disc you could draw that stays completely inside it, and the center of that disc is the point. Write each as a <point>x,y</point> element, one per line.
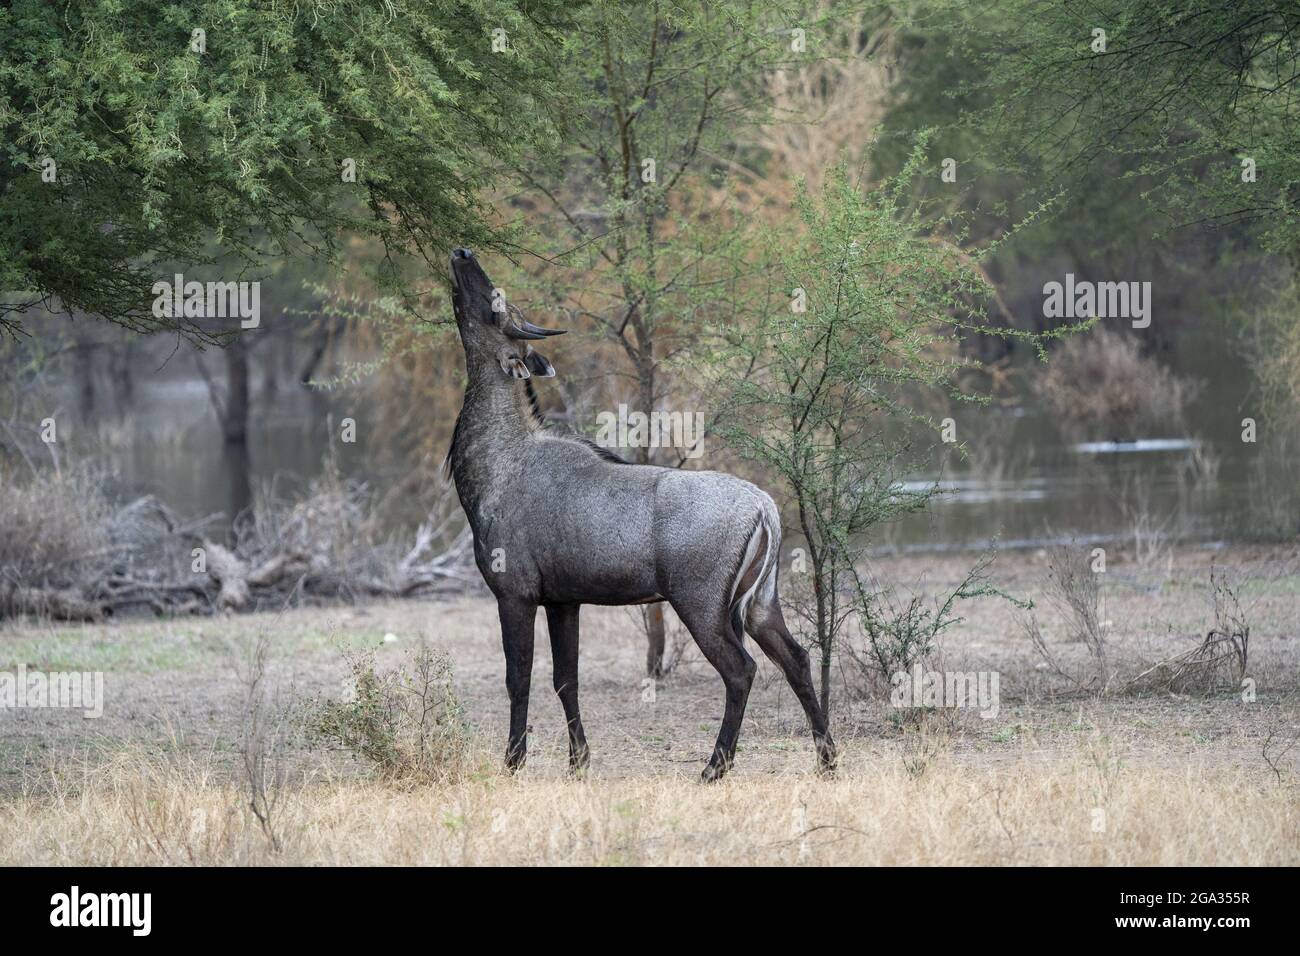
<point>559,522</point>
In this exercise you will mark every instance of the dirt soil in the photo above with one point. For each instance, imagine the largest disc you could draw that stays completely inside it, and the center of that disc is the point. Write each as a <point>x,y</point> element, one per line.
<point>175,681</point>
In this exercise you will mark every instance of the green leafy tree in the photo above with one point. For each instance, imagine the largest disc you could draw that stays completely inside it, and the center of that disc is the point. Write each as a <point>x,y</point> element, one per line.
<point>1200,98</point>
<point>1153,119</point>
<point>859,314</point>
<point>640,216</point>
<point>135,135</point>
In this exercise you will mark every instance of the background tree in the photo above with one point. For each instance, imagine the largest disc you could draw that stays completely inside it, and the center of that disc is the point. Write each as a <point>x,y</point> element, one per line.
<point>132,135</point>
<point>641,217</point>
<point>856,317</point>
<point>1183,93</point>
<point>1153,130</point>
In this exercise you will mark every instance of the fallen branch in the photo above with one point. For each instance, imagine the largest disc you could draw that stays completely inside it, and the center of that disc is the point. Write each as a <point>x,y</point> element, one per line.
<point>322,547</point>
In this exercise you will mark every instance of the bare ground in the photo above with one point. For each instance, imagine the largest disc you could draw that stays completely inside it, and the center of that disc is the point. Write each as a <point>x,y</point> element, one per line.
<point>171,688</point>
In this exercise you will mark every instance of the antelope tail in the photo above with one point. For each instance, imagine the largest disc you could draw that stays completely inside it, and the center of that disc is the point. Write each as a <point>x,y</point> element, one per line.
<point>762,555</point>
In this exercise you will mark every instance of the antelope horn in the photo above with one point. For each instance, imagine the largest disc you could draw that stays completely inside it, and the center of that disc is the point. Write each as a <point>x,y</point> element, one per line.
<point>521,328</point>
<point>538,331</point>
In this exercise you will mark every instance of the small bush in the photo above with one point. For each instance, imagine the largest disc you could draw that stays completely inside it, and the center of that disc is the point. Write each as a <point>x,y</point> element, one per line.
<point>53,528</point>
<point>407,722</point>
<point>267,727</point>
<point>898,631</point>
<point>902,627</point>
<point>1075,590</point>
<point>1220,661</point>
<point>1100,386</point>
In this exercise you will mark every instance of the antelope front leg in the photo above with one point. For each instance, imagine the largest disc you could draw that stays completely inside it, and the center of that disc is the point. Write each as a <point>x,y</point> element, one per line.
<point>563,622</point>
<point>517,640</point>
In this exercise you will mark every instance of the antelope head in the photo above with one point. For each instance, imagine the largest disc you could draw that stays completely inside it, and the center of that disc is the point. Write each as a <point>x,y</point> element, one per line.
<point>490,328</point>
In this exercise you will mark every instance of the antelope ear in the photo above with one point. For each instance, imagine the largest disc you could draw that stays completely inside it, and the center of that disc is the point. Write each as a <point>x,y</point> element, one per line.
<point>512,364</point>
<point>538,365</point>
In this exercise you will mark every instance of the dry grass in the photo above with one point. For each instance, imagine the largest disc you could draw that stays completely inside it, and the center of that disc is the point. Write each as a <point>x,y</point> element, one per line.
<point>1180,778</point>
<point>1100,385</point>
<point>53,527</point>
<point>1089,810</point>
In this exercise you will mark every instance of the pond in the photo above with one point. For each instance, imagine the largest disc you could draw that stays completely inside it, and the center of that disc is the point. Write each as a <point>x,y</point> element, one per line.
<point>1020,481</point>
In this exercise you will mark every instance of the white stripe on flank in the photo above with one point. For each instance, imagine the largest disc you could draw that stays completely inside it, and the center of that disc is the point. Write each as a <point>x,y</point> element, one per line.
<point>766,579</point>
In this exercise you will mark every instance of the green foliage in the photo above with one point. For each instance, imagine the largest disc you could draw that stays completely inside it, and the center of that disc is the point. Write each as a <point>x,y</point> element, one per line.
<point>407,722</point>
<point>1181,94</point>
<point>1192,109</point>
<point>900,630</point>
<point>639,216</point>
<point>827,397</point>
<point>161,148</point>
<point>1123,156</point>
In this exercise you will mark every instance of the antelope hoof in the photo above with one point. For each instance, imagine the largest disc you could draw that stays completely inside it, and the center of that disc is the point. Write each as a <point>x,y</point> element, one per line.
<point>578,761</point>
<point>715,770</point>
<point>515,758</point>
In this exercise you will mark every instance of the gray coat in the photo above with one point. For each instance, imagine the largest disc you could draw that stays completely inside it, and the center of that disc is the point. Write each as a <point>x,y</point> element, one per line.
<point>558,523</point>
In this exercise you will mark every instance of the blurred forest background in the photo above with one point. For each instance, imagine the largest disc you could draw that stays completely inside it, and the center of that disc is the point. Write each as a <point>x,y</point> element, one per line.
<point>1022,148</point>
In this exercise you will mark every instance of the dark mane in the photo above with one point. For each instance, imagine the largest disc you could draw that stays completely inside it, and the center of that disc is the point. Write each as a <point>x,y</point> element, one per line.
<point>533,402</point>
<point>600,450</point>
<point>535,405</point>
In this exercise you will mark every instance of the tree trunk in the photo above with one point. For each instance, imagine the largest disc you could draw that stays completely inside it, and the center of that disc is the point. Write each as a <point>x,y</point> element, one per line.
<point>826,683</point>
<point>234,426</point>
<point>824,641</point>
<point>237,467</point>
<point>322,335</point>
<point>124,376</point>
<point>271,366</point>
<point>654,616</point>
<point>235,423</point>
<point>85,365</point>
<point>654,632</point>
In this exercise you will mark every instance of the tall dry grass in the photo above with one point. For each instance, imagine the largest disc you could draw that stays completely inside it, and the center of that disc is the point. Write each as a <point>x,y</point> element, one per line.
<point>53,527</point>
<point>1099,385</point>
<point>1091,810</point>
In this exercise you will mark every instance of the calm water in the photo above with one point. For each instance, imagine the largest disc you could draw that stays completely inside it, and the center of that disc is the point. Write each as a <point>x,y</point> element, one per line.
<point>171,447</point>
<point>1021,483</point>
